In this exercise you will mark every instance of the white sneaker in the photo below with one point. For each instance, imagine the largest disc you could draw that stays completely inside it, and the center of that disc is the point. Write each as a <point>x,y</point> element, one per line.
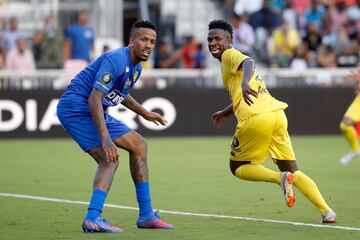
<point>329,217</point>
<point>349,157</point>
<point>286,180</point>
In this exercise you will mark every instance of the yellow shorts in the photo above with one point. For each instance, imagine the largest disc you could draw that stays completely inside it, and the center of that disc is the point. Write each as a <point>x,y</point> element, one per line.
<point>353,112</point>
<point>261,133</point>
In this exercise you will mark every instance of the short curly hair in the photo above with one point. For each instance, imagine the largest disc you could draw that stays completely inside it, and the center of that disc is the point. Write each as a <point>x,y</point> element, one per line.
<point>221,24</point>
<point>142,24</point>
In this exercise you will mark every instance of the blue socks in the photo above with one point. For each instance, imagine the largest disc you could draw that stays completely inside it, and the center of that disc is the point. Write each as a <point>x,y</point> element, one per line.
<point>142,195</point>
<point>143,198</point>
<point>96,204</point>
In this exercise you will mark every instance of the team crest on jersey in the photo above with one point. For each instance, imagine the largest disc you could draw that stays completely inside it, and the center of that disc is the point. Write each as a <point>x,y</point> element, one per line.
<point>106,78</point>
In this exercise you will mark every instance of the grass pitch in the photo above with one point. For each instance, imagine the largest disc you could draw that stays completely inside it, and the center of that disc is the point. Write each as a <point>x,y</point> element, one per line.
<point>186,175</point>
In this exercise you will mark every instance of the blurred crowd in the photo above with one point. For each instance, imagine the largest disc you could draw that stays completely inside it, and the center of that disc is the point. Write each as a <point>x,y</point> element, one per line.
<point>49,48</point>
<point>298,33</point>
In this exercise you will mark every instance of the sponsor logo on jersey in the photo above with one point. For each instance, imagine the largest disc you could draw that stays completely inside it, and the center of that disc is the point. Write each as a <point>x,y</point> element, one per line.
<point>114,97</point>
<point>106,78</point>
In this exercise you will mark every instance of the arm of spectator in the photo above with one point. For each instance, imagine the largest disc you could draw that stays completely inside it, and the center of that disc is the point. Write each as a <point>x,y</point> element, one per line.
<point>166,63</point>
<point>39,36</point>
<point>67,50</point>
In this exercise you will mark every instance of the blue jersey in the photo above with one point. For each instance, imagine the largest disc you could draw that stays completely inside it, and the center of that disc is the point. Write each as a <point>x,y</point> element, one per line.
<point>112,73</point>
<point>82,38</point>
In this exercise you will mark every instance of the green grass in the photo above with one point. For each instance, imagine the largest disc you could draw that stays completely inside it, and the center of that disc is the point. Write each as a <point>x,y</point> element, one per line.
<point>187,175</point>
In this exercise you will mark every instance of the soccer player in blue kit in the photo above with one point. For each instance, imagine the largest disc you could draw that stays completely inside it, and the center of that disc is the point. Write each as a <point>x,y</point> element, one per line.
<point>82,111</point>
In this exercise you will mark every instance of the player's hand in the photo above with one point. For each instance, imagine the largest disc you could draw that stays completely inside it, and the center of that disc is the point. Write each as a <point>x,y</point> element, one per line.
<point>218,119</point>
<point>355,76</point>
<point>155,118</point>
<point>110,151</point>
<point>247,91</point>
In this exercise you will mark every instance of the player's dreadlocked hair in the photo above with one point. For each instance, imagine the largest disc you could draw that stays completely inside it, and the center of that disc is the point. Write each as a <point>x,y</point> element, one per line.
<point>221,24</point>
<point>142,24</point>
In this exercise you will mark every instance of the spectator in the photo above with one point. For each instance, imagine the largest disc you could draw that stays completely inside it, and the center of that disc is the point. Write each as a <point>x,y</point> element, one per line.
<point>165,57</point>
<point>80,39</point>
<point>300,5</point>
<point>354,12</point>
<point>10,36</point>
<point>247,6</point>
<point>315,14</point>
<point>243,36</point>
<point>301,58</point>
<point>48,43</point>
<point>20,57</point>
<point>355,35</point>
<point>285,40</point>
<point>189,51</point>
<point>266,18</point>
<point>289,15</point>
<point>264,22</point>
<point>326,57</point>
<point>341,40</point>
<point>200,59</point>
<point>277,5</point>
<point>338,16</point>
<point>313,38</point>
<point>349,57</point>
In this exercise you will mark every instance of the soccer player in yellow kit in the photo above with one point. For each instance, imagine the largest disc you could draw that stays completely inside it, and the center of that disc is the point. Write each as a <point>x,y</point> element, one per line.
<point>351,117</point>
<point>261,127</point>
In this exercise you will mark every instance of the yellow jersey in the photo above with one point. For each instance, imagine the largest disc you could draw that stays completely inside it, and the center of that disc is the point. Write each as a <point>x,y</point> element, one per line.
<point>232,78</point>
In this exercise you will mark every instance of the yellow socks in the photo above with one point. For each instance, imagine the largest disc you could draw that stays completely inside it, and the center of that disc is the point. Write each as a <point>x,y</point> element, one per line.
<point>309,189</point>
<point>257,172</point>
<point>351,136</point>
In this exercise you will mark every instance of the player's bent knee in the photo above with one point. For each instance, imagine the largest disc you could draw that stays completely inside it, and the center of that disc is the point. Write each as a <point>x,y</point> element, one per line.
<point>346,122</point>
<point>234,165</point>
<point>140,147</point>
<point>109,165</point>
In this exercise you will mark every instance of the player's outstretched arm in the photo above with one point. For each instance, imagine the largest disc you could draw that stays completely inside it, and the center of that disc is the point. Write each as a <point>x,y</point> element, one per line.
<point>247,66</point>
<point>219,117</point>
<point>97,112</point>
<point>136,107</point>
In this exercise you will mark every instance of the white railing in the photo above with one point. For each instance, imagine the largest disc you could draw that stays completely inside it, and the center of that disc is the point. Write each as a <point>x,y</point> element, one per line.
<point>180,78</point>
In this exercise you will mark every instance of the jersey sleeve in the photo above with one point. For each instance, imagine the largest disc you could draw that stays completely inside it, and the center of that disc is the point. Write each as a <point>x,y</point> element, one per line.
<point>232,59</point>
<point>107,75</point>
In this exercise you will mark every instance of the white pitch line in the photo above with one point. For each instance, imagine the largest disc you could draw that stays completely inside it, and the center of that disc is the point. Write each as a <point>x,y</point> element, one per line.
<point>184,213</point>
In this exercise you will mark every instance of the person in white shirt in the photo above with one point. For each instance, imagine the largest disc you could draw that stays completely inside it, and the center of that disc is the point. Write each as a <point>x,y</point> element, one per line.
<point>20,58</point>
<point>244,36</point>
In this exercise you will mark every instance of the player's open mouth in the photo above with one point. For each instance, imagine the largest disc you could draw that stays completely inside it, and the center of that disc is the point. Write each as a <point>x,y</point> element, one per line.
<point>146,53</point>
<point>215,51</point>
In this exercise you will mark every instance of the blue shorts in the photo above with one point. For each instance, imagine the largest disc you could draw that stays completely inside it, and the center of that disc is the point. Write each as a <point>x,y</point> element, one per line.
<point>82,129</point>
